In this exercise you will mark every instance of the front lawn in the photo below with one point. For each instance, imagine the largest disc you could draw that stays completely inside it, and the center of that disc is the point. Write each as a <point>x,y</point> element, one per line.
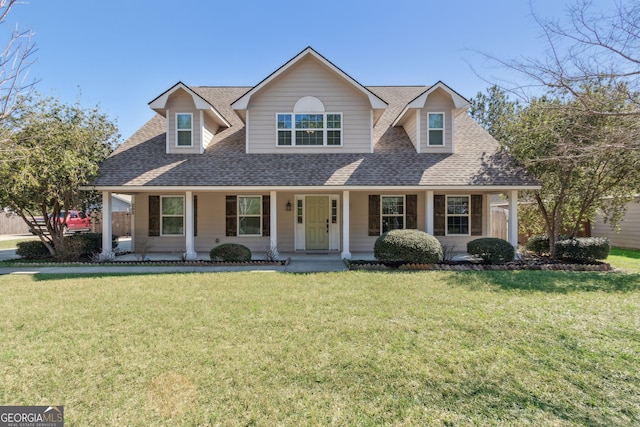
<point>525,348</point>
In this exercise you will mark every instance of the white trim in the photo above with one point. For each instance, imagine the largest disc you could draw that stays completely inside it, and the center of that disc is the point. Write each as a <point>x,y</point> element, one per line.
<point>346,254</point>
<point>513,219</point>
<point>453,130</point>
<point>458,101</point>
<point>326,188</point>
<point>446,214</point>
<point>242,103</point>
<point>246,196</point>
<point>444,126</point>
<point>172,216</point>
<point>190,252</point>
<point>404,210</point>
<point>325,130</point>
<point>429,209</point>
<point>159,105</point>
<point>107,249</point>
<point>178,130</point>
<point>273,222</point>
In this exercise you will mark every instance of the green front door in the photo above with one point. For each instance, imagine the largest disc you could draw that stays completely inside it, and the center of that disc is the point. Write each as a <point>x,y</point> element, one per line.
<point>317,222</point>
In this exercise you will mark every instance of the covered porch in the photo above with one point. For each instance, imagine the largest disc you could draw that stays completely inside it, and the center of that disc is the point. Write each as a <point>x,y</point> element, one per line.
<point>300,224</point>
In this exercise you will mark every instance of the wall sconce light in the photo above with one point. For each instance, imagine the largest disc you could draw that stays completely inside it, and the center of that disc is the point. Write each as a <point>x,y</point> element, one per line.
<point>288,207</point>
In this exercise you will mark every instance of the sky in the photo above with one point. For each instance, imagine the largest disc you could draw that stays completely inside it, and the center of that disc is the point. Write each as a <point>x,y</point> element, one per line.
<point>121,54</point>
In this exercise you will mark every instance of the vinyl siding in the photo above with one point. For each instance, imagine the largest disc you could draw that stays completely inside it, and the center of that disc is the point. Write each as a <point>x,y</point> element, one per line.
<point>182,102</point>
<point>411,129</point>
<point>438,102</point>
<point>310,78</point>
<point>629,234</point>
<point>210,129</point>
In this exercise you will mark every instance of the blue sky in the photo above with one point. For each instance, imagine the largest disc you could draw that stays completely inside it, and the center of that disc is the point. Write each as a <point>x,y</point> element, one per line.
<point>121,54</point>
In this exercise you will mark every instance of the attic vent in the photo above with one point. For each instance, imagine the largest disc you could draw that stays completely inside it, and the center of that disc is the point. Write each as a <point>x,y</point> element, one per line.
<point>309,104</point>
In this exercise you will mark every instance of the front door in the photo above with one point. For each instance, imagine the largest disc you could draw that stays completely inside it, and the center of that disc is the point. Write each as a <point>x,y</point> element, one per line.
<point>317,223</point>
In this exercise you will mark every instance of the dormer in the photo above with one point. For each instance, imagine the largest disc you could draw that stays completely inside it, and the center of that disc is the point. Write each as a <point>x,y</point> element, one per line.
<point>191,120</point>
<point>309,106</point>
<point>428,119</point>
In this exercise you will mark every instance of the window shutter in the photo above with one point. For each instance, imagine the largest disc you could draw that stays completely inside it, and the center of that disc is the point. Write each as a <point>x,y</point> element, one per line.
<point>374,215</point>
<point>412,211</point>
<point>154,216</point>
<point>232,218</point>
<point>439,217</point>
<point>195,215</point>
<point>476,215</point>
<point>266,215</point>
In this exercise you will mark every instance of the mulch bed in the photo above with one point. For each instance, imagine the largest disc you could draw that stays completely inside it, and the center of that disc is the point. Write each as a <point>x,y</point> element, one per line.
<point>544,264</point>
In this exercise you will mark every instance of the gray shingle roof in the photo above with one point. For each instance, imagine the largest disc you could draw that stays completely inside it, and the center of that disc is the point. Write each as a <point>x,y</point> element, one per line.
<point>142,161</point>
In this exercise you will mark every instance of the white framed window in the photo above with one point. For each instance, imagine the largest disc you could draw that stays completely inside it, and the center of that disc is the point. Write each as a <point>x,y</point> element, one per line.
<point>184,129</point>
<point>249,215</point>
<point>435,129</point>
<point>309,129</point>
<point>172,215</point>
<point>458,215</point>
<point>392,213</point>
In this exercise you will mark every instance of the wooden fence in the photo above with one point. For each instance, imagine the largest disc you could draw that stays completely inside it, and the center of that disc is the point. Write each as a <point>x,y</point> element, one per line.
<point>13,224</point>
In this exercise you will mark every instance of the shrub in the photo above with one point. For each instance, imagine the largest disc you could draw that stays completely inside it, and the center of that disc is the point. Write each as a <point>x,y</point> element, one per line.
<point>90,243</point>
<point>539,244</point>
<point>407,246</point>
<point>492,250</point>
<point>583,248</point>
<point>32,249</point>
<point>230,252</point>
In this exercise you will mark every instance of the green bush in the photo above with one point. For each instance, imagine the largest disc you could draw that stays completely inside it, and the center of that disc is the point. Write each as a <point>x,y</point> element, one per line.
<point>90,244</point>
<point>230,252</point>
<point>492,250</point>
<point>32,249</point>
<point>583,248</point>
<point>407,246</point>
<point>539,244</point>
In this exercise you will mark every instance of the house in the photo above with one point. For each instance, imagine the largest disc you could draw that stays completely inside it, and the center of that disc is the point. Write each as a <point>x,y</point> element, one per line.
<point>628,234</point>
<point>308,159</point>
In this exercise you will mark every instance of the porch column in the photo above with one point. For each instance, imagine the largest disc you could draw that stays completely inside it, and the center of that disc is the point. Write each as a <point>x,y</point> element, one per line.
<point>513,219</point>
<point>107,249</point>
<point>345,225</point>
<point>428,220</point>
<point>190,253</point>
<point>273,224</point>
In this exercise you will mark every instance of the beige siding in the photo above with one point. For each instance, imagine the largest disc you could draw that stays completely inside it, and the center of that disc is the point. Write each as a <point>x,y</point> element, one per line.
<point>182,102</point>
<point>144,243</point>
<point>411,128</point>
<point>438,102</point>
<point>629,234</point>
<point>310,78</point>
<point>210,128</point>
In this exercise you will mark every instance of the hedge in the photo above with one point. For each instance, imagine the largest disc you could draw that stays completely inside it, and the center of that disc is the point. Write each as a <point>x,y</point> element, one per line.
<point>408,246</point>
<point>492,250</point>
<point>230,252</point>
<point>583,248</point>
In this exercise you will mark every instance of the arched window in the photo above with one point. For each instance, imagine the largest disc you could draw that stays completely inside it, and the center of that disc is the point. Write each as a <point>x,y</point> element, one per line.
<point>309,125</point>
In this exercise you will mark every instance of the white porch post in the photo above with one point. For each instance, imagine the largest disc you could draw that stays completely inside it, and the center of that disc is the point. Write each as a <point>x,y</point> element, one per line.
<point>428,226</point>
<point>345,225</point>
<point>190,252</point>
<point>273,224</point>
<point>513,218</point>
<point>107,249</point>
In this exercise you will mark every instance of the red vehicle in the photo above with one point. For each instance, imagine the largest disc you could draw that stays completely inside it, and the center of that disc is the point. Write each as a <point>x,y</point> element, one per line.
<point>76,221</point>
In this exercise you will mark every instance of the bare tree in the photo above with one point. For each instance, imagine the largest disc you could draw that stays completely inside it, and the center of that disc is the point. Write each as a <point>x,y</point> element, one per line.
<point>16,57</point>
<point>586,49</point>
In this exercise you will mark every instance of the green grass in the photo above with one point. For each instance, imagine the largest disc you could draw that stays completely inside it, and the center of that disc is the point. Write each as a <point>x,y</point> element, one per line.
<point>353,348</point>
<point>626,259</point>
<point>10,244</point>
